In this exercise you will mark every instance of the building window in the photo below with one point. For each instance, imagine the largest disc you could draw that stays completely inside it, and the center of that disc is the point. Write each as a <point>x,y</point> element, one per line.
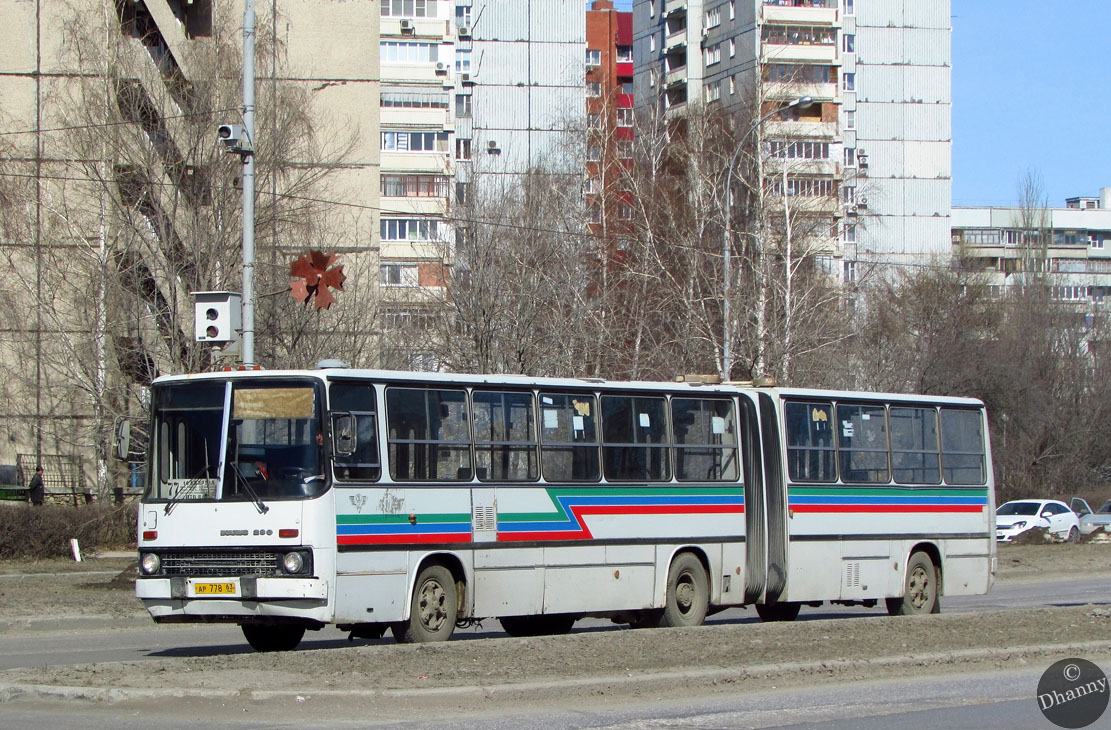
<point>848,194</point>
<point>799,35</point>
<point>732,47</point>
<point>850,120</point>
<point>713,91</point>
<point>625,149</point>
<point>593,58</point>
<point>593,121</point>
<point>624,212</point>
<point>463,62</point>
<point>713,17</point>
<point>625,54</point>
<point>848,43</point>
<point>398,52</point>
<point>413,99</point>
<point>463,105</point>
<point>1095,241</point>
<point>850,272</point>
<point>732,84</point>
<point>462,192</point>
<point>713,54</point>
<point>627,87</point>
<point>624,117</point>
<point>414,186</point>
<point>850,82</point>
<point>593,213</point>
<point>850,157</point>
<point>798,73</point>
<point>799,150</point>
<point>732,9</point>
<point>849,7</point>
<point>462,149</point>
<point>462,15</point>
<point>593,154</point>
<point>652,43</point>
<point>409,229</point>
<point>848,233</point>
<point>408,8</point>
<point>590,185</point>
<point>593,89</point>
<point>414,142</point>
<point>399,275</point>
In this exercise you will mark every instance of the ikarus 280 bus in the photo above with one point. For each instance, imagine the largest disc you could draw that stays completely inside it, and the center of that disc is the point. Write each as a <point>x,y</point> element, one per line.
<point>286,501</point>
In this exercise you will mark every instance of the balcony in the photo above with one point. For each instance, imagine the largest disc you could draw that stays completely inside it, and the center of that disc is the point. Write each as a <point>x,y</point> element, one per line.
<point>788,90</point>
<point>796,53</point>
<point>818,12</point>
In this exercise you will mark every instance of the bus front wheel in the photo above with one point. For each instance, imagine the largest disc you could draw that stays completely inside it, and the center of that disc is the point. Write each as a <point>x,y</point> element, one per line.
<point>688,593</point>
<point>920,590</point>
<point>434,608</point>
<point>264,637</point>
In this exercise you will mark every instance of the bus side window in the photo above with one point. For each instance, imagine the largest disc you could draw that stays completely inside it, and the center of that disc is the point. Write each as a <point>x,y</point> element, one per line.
<point>635,438</point>
<point>355,401</point>
<point>810,454</point>
<point>915,458</point>
<point>569,437</point>
<point>504,436</point>
<point>962,446</point>
<point>862,443</point>
<point>429,435</point>
<point>705,439</point>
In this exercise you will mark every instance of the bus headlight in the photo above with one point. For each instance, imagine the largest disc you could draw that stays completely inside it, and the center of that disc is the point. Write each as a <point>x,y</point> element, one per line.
<point>293,563</point>
<point>150,563</point>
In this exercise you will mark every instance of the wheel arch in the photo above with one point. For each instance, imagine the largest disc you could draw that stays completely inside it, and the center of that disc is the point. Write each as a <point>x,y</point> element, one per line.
<point>933,552</point>
<point>698,552</point>
<point>454,564</point>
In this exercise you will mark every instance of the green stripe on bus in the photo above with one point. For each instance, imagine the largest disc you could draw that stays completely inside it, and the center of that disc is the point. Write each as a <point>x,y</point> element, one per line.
<point>837,489</point>
<point>373,519</point>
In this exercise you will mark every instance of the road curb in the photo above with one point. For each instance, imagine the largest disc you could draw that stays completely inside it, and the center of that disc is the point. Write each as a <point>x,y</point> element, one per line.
<point>11,692</point>
<point>30,624</point>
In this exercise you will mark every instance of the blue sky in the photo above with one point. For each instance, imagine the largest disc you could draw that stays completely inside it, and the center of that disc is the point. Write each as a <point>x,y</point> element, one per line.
<point>1030,92</point>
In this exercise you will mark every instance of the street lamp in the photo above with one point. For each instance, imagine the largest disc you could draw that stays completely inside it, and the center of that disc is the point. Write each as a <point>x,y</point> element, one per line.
<point>727,247</point>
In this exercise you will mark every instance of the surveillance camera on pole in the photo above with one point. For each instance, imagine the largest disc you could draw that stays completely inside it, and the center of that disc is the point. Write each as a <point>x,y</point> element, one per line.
<point>232,136</point>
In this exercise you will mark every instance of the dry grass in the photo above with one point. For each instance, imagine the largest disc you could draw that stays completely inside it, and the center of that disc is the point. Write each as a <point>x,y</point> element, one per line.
<point>45,532</point>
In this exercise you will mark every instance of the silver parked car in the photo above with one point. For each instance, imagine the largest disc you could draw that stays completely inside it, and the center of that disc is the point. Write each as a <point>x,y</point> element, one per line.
<point>1091,521</point>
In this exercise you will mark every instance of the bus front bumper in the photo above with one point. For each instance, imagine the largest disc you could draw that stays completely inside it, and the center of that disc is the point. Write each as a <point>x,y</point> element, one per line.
<point>240,588</point>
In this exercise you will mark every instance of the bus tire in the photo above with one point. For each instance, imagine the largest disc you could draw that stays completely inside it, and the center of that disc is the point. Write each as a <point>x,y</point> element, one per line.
<point>788,611</point>
<point>263,637</point>
<point>920,590</point>
<point>556,623</point>
<point>688,593</point>
<point>434,608</point>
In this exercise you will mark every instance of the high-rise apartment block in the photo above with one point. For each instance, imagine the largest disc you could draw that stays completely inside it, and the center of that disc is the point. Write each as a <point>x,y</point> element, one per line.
<point>877,129</point>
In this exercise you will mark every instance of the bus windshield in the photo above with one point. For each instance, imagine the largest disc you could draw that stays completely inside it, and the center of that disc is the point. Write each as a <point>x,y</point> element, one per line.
<point>236,441</point>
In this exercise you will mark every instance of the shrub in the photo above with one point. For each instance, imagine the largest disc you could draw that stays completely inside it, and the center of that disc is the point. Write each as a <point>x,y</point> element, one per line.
<point>45,532</point>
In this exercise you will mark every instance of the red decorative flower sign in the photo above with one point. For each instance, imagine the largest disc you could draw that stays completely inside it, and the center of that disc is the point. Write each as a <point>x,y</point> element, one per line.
<point>315,277</point>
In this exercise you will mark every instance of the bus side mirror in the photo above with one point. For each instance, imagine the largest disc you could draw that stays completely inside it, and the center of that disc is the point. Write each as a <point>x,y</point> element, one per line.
<point>345,436</point>
<point>123,439</point>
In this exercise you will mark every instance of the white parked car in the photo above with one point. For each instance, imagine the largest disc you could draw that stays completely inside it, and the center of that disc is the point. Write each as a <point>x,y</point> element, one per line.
<point>1014,518</point>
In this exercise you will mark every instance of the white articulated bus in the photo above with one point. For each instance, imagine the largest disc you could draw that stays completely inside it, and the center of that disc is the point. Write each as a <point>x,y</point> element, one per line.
<point>289,500</point>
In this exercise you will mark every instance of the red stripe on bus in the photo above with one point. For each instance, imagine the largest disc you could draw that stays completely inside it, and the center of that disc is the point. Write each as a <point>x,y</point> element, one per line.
<point>871,508</point>
<point>400,539</point>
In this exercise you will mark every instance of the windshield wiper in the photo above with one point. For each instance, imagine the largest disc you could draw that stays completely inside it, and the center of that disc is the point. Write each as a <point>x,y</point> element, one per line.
<point>257,500</point>
<point>192,486</point>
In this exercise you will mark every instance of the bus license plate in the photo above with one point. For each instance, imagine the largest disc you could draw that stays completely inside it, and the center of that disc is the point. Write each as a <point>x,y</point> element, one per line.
<point>214,589</point>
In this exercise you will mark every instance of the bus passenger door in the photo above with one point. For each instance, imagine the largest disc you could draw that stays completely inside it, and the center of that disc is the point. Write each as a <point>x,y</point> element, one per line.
<point>756,543</point>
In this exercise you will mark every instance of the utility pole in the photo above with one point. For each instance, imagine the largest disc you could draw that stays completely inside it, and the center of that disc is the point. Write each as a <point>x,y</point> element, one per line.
<point>249,183</point>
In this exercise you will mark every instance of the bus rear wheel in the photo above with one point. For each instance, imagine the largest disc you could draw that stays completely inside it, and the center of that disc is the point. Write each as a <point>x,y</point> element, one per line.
<point>558,623</point>
<point>688,593</point>
<point>778,611</point>
<point>434,609</point>
<point>920,590</point>
<point>263,637</point>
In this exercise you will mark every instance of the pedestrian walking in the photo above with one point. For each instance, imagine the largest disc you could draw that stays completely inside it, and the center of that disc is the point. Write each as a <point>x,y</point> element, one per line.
<point>35,488</point>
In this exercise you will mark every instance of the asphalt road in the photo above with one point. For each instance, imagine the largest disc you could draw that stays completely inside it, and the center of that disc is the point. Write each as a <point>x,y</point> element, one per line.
<point>89,643</point>
<point>1001,699</point>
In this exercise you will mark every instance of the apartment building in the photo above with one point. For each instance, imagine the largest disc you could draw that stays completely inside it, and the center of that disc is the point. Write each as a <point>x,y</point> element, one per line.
<point>128,202</point>
<point>873,147</point>
<point>524,64</point>
<point>609,109</point>
<point>1067,248</point>
<point>425,93</point>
